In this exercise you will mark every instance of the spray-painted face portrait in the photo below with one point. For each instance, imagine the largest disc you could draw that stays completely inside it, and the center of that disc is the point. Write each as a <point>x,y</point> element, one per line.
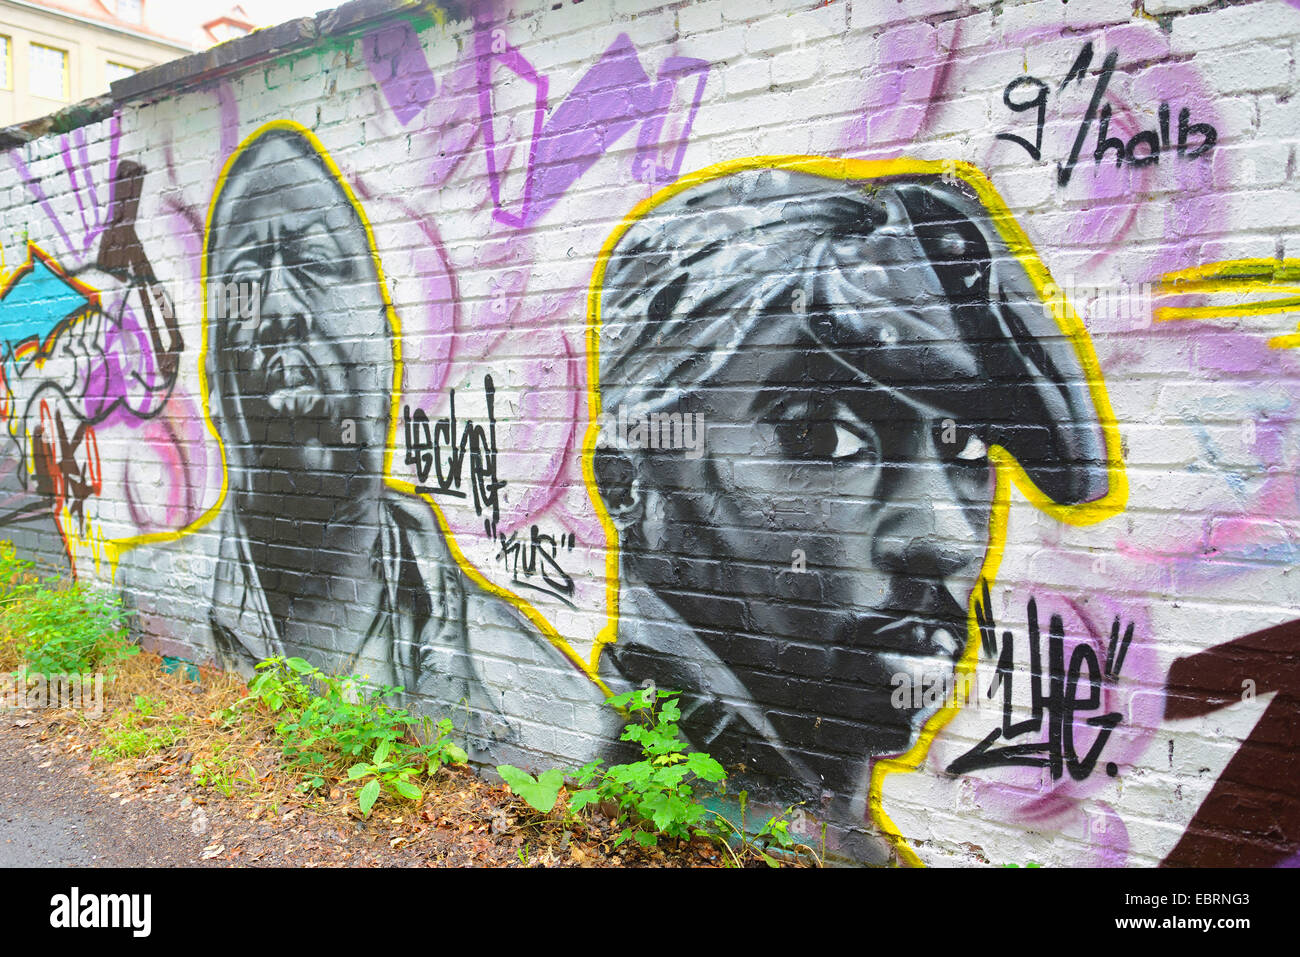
<point>853,351</point>
<point>318,555</point>
<point>300,373</point>
<point>300,337</point>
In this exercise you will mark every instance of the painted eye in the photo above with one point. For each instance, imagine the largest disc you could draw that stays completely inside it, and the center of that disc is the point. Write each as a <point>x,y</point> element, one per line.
<point>821,430</point>
<point>847,443</point>
<point>973,450</point>
<point>823,440</point>
<point>246,268</point>
<point>321,267</point>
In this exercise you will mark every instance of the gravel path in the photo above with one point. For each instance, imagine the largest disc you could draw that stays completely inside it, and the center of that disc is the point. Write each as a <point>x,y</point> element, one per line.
<point>53,815</point>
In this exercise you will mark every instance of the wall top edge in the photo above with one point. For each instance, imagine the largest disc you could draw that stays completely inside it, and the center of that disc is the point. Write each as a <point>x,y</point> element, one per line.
<point>186,72</point>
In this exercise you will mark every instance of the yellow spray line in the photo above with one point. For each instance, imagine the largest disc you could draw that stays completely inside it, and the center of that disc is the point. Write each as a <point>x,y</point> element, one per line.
<point>1237,278</point>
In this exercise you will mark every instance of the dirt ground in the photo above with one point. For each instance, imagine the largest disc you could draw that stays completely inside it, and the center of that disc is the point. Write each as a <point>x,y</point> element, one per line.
<point>62,806</point>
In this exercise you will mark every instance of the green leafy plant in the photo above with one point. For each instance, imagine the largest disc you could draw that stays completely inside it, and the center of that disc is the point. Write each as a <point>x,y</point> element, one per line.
<point>14,571</point>
<point>279,683</point>
<point>394,765</point>
<point>394,775</point>
<point>653,797</point>
<point>220,770</point>
<point>540,792</point>
<point>658,796</point>
<point>773,835</point>
<point>330,722</point>
<point>60,628</point>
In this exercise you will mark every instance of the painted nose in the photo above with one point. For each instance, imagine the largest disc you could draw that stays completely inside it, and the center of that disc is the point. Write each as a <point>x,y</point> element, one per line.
<point>282,313</point>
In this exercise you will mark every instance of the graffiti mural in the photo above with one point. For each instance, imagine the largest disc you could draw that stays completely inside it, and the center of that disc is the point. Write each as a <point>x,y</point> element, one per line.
<point>867,335</point>
<point>913,392</point>
<point>300,377</point>
<point>83,349</point>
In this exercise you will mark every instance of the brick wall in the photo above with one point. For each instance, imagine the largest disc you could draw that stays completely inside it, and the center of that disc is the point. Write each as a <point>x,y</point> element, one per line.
<point>912,386</point>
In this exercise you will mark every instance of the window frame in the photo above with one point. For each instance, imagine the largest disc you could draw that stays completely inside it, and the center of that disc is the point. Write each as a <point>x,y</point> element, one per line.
<point>66,94</point>
<point>108,64</point>
<point>7,73</point>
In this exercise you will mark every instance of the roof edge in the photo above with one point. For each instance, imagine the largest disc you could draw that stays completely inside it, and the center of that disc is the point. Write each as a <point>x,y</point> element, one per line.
<point>264,44</point>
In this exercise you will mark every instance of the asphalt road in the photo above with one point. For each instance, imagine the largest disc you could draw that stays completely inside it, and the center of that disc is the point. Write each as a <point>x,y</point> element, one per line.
<point>51,815</point>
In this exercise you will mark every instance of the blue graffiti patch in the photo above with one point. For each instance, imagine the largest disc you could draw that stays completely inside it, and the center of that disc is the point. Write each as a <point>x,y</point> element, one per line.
<point>36,303</point>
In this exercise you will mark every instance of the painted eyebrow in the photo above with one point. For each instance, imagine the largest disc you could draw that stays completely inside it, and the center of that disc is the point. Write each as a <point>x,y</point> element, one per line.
<point>868,402</point>
<point>245,242</point>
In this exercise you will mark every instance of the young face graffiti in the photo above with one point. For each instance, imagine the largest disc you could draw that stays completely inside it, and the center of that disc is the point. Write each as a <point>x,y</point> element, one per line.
<point>902,492</point>
<point>854,354</point>
<point>308,356</point>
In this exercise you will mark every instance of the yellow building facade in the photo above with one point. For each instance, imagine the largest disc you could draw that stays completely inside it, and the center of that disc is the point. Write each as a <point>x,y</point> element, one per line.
<point>54,55</point>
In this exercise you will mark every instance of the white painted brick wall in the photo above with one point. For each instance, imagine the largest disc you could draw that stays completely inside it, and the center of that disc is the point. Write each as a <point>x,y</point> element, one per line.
<point>1201,554</point>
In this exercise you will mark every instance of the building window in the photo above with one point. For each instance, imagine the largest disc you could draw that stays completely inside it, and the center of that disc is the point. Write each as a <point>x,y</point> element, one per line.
<point>118,71</point>
<point>6,64</point>
<point>49,72</point>
<point>129,10</point>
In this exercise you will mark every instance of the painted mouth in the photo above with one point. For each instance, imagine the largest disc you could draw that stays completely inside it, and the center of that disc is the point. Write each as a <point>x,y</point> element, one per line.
<point>916,651</point>
<point>920,638</point>
<point>291,383</point>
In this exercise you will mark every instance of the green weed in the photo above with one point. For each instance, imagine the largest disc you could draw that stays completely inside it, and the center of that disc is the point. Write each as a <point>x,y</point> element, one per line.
<point>140,730</point>
<point>341,727</point>
<point>56,627</point>
<point>657,796</point>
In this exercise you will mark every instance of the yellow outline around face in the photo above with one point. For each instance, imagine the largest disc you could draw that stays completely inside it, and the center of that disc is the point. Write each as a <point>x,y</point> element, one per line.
<point>1007,470</point>
<point>116,547</point>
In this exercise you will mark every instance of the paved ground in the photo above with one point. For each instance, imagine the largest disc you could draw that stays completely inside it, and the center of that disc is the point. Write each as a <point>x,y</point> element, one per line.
<point>56,812</point>
<point>51,814</point>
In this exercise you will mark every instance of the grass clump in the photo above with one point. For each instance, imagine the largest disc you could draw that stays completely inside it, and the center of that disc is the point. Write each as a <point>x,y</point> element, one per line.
<point>144,728</point>
<point>52,627</point>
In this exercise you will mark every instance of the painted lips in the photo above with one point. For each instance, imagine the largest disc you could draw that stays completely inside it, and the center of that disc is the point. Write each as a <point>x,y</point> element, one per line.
<point>292,383</point>
<point>921,648</point>
<point>911,637</point>
<point>927,662</point>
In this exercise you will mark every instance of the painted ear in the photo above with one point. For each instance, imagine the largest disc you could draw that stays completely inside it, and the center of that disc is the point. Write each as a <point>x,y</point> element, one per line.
<point>619,487</point>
